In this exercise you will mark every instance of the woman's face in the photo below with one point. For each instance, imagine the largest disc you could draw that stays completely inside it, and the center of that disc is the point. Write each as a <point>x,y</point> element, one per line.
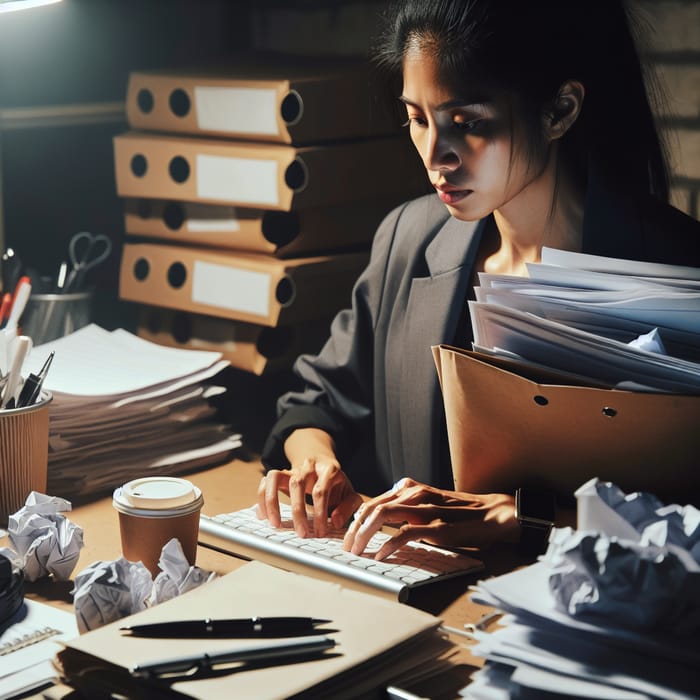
<point>468,143</point>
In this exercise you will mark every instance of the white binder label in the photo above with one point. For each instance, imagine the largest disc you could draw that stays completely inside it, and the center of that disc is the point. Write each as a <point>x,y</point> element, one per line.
<point>208,218</point>
<point>241,180</point>
<point>231,288</point>
<point>237,110</point>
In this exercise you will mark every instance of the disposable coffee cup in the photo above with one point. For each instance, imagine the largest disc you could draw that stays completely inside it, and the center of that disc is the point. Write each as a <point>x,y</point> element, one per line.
<point>24,454</point>
<point>154,509</point>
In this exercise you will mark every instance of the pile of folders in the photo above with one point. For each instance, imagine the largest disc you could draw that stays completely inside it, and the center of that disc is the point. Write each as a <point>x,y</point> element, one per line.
<point>252,192</point>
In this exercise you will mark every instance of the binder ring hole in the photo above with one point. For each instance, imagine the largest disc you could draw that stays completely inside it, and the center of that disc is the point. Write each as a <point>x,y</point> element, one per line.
<point>177,275</point>
<point>139,165</point>
<point>540,400</point>
<point>179,103</point>
<point>609,412</point>
<point>144,208</point>
<point>285,291</point>
<point>179,169</point>
<point>292,108</point>
<point>296,176</point>
<point>144,100</point>
<point>173,215</point>
<point>280,227</point>
<point>142,269</point>
<point>181,329</point>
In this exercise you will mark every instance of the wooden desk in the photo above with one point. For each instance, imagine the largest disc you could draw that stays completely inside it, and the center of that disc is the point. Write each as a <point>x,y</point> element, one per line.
<point>233,486</point>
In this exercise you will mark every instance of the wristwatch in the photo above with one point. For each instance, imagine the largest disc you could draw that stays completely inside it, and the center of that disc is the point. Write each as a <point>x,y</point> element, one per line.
<point>534,510</point>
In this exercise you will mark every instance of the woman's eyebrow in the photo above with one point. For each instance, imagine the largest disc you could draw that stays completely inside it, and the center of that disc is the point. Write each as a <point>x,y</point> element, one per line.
<point>456,103</point>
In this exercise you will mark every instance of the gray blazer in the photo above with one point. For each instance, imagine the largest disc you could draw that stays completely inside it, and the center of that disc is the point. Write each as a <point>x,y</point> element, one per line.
<point>374,385</point>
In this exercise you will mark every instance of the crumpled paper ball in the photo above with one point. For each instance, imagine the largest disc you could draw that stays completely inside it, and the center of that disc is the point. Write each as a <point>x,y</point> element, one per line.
<point>107,591</point>
<point>45,542</point>
<point>640,587</point>
<point>656,523</point>
<point>176,576</point>
<point>634,561</point>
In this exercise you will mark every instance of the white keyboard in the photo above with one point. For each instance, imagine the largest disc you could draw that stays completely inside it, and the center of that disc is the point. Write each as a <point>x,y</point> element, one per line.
<point>414,564</point>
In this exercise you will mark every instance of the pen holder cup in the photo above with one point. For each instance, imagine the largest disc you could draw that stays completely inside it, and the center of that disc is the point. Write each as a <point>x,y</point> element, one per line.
<point>153,510</point>
<point>51,316</point>
<point>24,454</point>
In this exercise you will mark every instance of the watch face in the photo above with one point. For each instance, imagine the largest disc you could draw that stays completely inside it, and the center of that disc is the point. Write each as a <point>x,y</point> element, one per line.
<point>534,505</point>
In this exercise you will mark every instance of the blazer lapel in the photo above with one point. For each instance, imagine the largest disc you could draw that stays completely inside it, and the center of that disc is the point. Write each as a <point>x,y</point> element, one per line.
<point>434,307</point>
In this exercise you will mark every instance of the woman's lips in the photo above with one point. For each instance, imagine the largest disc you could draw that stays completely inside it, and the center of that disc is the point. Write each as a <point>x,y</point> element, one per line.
<point>451,196</point>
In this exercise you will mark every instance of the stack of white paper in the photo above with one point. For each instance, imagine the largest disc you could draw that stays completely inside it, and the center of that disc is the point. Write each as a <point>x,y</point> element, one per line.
<point>123,406</point>
<point>579,313</point>
<point>617,617</point>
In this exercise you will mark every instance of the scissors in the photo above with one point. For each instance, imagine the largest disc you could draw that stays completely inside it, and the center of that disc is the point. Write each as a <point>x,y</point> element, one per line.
<point>86,250</point>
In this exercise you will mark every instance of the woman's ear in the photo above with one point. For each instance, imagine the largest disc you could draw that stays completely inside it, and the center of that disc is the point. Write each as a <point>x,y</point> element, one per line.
<point>565,109</point>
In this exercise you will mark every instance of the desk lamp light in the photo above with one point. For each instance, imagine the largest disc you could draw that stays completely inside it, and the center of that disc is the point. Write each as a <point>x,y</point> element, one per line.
<point>13,5</point>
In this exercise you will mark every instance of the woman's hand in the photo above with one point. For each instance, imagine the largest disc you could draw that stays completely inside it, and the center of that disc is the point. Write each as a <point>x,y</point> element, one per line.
<point>443,518</point>
<point>316,471</point>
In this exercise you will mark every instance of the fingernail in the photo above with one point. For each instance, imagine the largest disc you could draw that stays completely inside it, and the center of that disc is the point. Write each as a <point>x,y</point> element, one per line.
<point>399,484</point>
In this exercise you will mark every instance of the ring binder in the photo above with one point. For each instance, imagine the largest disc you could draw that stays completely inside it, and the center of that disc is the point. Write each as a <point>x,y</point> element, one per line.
<point>263,175</point>
<point>284,234</point>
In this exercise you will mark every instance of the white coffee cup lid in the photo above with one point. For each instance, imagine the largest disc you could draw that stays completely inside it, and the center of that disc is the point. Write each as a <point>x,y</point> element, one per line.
<point>159,492</point>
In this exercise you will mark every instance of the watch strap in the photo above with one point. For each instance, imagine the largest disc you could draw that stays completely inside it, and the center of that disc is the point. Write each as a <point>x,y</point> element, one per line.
<point>533,539</point>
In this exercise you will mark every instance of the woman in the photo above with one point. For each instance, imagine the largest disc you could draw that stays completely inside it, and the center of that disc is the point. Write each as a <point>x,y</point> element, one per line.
<point>535,129</point>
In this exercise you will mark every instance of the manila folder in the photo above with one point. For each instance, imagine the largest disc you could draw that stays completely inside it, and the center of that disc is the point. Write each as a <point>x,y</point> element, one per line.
<point>376,640</point>
<point>506,430</point>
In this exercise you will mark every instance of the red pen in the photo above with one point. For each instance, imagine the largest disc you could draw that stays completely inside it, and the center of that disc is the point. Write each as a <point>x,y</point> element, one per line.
<point>5,306</point>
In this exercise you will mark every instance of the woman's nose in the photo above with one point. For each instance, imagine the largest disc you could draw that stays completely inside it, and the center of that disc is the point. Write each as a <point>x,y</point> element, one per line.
<point>440,152</point>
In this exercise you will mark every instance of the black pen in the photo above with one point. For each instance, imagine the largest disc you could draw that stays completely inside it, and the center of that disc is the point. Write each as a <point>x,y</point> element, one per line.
<point>32,385</point>
<point>238,628</point>
<point>302,649</point>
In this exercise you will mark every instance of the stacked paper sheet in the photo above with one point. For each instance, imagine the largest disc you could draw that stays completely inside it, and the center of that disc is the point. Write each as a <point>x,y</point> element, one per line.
<point>610,612</point>
<point>583,314</point>
<point>123,407</point>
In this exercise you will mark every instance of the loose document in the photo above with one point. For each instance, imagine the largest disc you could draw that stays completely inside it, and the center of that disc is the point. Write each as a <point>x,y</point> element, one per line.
<point>584,314</point>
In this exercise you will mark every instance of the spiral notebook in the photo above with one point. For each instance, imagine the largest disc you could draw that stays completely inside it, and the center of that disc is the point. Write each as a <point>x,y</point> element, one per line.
<point>28,643</point>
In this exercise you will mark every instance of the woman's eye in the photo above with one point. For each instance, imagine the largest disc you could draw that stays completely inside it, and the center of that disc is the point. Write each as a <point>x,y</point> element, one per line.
<point>414,120</point>
<point>472,125</point>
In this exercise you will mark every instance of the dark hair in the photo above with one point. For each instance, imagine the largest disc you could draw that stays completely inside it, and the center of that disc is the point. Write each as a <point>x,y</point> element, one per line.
<point>525,51</point>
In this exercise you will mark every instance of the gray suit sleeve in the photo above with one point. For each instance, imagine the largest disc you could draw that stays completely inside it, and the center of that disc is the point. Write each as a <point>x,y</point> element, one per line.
<point>338,394</point>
